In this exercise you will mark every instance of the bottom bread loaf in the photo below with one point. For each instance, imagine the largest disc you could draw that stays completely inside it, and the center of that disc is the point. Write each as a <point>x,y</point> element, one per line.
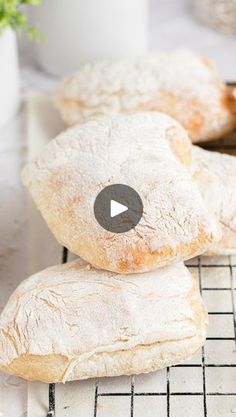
<point>74,322</point>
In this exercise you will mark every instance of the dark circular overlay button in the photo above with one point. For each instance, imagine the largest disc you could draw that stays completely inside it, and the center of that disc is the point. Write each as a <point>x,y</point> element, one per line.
<point>118,208</point>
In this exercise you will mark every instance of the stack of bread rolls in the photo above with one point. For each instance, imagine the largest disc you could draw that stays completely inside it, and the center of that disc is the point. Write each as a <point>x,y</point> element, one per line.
<point>130,306</point>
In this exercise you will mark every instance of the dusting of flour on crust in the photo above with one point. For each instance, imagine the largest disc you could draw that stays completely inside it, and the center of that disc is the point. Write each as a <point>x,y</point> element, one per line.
<point>179,83</point>
<point>88,316</point>
<point>131,150</point>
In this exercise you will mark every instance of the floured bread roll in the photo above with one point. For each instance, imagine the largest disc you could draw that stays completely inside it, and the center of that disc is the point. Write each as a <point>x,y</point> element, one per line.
<point>179,83</point>
<point>71,322</point>
<point>215,174</point>
<point>132,150</point>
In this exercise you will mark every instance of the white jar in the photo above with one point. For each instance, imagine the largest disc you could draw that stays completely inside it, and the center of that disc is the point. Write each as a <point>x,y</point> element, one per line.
<point>80,31</point>
<point>9,76</point>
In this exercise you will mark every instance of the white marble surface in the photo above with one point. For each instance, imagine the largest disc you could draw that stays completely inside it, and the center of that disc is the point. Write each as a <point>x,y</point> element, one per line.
<point>171,25</point>
<point>13,232</point>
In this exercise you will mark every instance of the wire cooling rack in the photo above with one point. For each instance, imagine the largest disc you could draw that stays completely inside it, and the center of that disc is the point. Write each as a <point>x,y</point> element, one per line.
<point>202,387</point>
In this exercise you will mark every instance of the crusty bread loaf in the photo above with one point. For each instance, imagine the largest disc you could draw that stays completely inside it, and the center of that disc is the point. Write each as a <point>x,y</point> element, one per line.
<point>129,149</point>
<point>72,322</point>
<point>179,83</point>
<point>215,174</point>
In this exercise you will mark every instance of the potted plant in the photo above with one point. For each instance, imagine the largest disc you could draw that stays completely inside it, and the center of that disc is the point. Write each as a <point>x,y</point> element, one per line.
<point>12,20</point>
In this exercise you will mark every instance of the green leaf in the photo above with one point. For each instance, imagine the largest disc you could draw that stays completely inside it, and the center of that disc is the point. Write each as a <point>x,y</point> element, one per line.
<point>35,35</point>
<point>12,16</point>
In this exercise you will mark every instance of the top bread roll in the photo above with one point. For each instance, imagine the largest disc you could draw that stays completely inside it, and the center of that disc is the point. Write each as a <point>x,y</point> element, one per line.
<point>180,84</point>
<point>132,150</point>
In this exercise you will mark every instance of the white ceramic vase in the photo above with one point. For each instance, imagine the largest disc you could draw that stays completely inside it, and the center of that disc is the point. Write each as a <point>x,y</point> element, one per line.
<point>80,31</point>
<point>9,76</point>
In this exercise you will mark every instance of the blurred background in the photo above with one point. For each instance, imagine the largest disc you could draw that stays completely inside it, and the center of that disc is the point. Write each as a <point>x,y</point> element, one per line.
<point>78,31</point>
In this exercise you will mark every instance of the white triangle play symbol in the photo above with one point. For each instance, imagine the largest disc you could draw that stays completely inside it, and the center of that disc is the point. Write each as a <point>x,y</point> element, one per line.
<point>117,208</point>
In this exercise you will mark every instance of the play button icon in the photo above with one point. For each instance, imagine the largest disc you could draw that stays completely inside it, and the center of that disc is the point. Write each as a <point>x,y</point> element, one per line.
<point>118,208</point>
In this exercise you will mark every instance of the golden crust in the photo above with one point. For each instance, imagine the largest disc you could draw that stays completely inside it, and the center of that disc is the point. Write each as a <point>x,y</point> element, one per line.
<point>141,359</point>
<point>195,116</point>
<point>137,259</point>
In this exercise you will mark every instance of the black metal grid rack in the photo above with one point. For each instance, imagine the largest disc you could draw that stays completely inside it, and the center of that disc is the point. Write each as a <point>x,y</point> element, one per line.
<point>204,393</point>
